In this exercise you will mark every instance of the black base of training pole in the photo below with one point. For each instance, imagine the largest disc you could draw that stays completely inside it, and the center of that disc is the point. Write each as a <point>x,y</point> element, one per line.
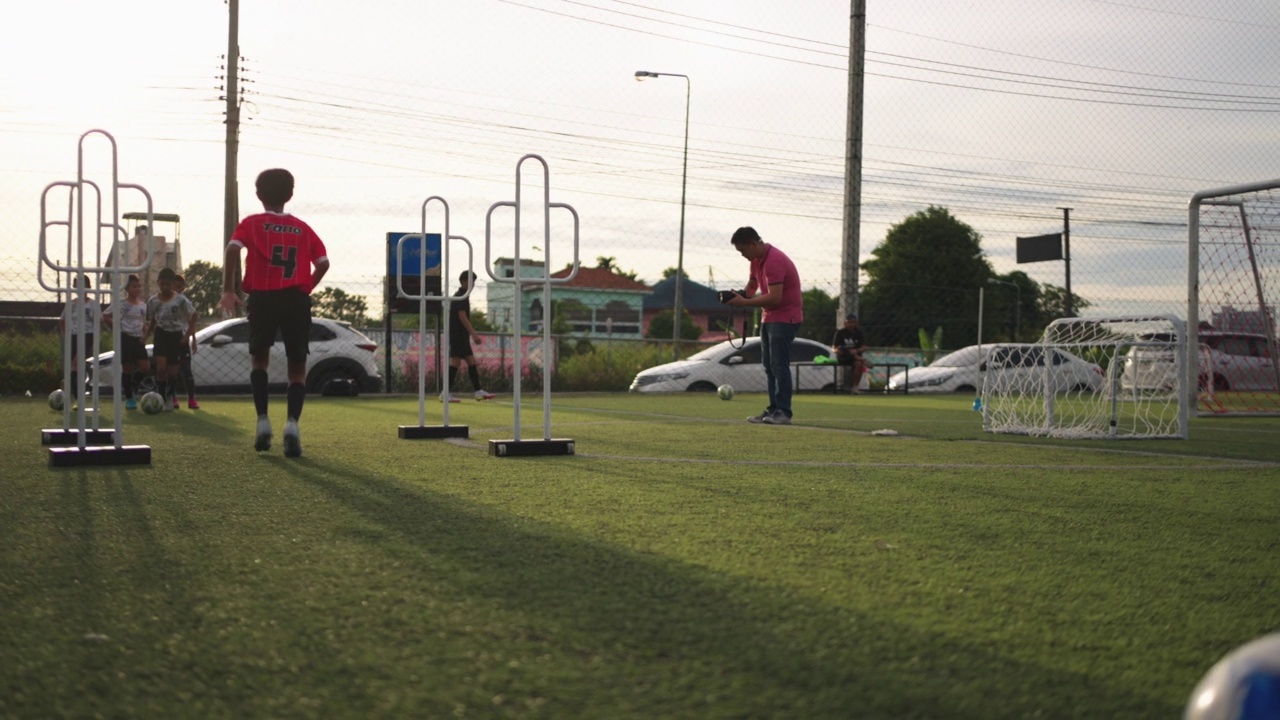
<point>433,432</point>
<point>527,448</point>
<point>58,436</point>
<point>100,455</point>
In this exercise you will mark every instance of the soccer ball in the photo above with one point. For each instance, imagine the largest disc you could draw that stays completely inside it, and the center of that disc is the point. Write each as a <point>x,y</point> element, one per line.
<point>55,400</point>
<point>1244,685</point>
<point>725,392</point>
<point>151,403</point>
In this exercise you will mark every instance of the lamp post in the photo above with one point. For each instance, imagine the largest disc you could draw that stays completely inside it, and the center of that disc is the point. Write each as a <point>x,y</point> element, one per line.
<point>1017,303</point>
<point>684,180</point>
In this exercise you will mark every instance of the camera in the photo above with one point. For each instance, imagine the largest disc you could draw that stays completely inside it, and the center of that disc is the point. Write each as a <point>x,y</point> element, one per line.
<point>724,296</point>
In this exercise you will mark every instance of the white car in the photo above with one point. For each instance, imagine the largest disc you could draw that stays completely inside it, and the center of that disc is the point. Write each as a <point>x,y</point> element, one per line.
<point>1235,361</point>
<point>221,360</point>
<point>736,366</point>
<point>1005,366</point>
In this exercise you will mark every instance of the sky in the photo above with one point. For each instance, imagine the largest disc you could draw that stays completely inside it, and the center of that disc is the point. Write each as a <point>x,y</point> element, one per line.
<point>1001,111</point>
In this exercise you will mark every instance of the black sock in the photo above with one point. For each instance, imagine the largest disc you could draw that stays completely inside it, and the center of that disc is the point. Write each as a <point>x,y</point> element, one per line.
<point>296,394</point>
<point>126,385</point>
<point>258,382</point>
<point>474,374</point>
<point>453,376</point>
<point>162,387</point>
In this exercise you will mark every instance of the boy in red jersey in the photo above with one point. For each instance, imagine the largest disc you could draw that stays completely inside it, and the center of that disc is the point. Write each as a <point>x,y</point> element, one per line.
<point>286,261</point>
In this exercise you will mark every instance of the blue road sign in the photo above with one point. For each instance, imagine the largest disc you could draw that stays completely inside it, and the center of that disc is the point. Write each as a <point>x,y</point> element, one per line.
<point>412,254</point>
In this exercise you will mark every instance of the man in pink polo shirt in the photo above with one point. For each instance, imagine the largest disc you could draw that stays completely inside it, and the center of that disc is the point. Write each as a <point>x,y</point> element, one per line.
<point>775,287</point>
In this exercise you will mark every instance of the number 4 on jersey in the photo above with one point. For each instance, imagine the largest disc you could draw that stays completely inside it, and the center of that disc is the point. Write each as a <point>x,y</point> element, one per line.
<point>286,258</point>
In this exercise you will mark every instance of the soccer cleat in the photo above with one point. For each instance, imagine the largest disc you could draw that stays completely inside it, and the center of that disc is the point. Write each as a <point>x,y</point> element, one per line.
<point>292,440</point>
<point>131,404</point>
<point>448,398</point>
<point>262,442</point>
<point>175,402</point>
<point>192,404</point>
<point>483,395</point>
<point>777,418</point>
<point>757,419</point>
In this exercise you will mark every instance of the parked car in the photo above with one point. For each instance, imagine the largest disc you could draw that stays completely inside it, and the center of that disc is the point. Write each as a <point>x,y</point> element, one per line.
<point>221,360</point>
<point>1005,366</point>
<point>737,366</point>
<point>1230,360</point>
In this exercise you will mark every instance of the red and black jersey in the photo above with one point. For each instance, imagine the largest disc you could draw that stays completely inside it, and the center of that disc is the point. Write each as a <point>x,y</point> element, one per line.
<point>281,252</point>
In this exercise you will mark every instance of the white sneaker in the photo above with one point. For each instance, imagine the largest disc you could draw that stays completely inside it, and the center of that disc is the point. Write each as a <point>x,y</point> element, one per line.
<point>262,442</point>
<point>292,440</point>
<point>448,398</point>
<point>483,395</point>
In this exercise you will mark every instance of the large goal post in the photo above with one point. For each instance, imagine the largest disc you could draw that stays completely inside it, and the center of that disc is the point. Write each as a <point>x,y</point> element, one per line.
<point>1233,287</point>
<point>1098,377</point>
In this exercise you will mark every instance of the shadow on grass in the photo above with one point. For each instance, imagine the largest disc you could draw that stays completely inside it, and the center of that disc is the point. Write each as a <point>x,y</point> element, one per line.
<point>697,637</point>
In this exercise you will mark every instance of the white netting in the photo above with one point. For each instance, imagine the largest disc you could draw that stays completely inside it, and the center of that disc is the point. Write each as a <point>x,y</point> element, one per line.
<point>1238,250</point>
<point>1090,378</point>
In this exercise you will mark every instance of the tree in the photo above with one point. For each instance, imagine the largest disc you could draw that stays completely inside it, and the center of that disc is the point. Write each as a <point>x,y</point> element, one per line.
<point>1013,316</point>
<point>336,303</point>
<point>480,322</point>
<point>820,310</point>
<point>660,326</point>
<point>1053,304</point>
<point>204,287</point>
<point>611,264</point>
<point>671,271</point>
<point>925,274</point>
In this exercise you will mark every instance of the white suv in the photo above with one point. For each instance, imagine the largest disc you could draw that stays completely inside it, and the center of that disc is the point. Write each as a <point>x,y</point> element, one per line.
<point>1230,360</point>
<point>221,360</point>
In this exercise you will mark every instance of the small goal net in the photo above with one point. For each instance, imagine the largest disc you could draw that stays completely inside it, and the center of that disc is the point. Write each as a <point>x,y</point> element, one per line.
<point>1106,378</point>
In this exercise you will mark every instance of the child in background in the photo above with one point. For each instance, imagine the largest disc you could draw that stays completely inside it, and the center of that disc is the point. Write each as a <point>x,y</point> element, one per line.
<point>172,318</point>
<point>131,312</point>
<point>185,376</point>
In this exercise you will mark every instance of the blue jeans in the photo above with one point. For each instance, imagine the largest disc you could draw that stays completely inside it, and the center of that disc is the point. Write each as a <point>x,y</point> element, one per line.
<point>775,354</point>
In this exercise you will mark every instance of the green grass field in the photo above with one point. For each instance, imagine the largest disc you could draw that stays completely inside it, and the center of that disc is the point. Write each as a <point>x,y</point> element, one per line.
<point>683,564</point>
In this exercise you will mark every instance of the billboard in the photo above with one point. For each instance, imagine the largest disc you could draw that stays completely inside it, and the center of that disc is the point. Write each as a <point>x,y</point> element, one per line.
<point>410,256</point>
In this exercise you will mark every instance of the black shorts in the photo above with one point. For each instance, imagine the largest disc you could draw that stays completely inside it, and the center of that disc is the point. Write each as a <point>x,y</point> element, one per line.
<point>460,346</point>
<point>168,344</point>
<point>283,313</point>
<point>132,350</point>
<point>75,344</point>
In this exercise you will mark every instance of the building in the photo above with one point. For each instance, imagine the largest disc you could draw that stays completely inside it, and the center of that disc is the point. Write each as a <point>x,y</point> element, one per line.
<point>697,299</point>
<point>597,302</point>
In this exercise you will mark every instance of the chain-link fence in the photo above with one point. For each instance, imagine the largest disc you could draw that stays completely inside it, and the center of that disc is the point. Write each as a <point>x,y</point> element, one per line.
<point>1003,115</point>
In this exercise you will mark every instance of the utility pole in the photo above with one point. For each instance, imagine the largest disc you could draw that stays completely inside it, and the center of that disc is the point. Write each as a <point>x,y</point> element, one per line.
<point>230,203</point>
<point>1068,305</point>
<point>853,160</point>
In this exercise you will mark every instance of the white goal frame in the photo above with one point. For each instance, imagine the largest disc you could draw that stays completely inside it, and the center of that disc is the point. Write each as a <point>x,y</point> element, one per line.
<point>1140,394</point>
<point>1262,274</point>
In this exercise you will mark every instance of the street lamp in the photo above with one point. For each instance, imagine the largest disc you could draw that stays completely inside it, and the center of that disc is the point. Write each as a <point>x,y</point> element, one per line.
<point>1017,304</point>
<point>684,180</point>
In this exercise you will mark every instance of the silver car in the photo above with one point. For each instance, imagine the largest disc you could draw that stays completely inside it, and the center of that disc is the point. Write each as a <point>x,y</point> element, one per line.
<point>1228,360</point>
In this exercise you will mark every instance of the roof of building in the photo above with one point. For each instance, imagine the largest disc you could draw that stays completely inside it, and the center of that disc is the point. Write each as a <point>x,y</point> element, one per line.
<point>589,278</point>
<point>693,296</point>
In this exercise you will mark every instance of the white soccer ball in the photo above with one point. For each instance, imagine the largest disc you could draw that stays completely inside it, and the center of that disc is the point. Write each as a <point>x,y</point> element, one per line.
<point>1244,685</point>
<point>152,403</point>
<point>55,400</point>
<point>725,392</point>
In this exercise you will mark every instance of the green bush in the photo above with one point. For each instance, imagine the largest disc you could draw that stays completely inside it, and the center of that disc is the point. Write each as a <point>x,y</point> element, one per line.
<point>608,367</point>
